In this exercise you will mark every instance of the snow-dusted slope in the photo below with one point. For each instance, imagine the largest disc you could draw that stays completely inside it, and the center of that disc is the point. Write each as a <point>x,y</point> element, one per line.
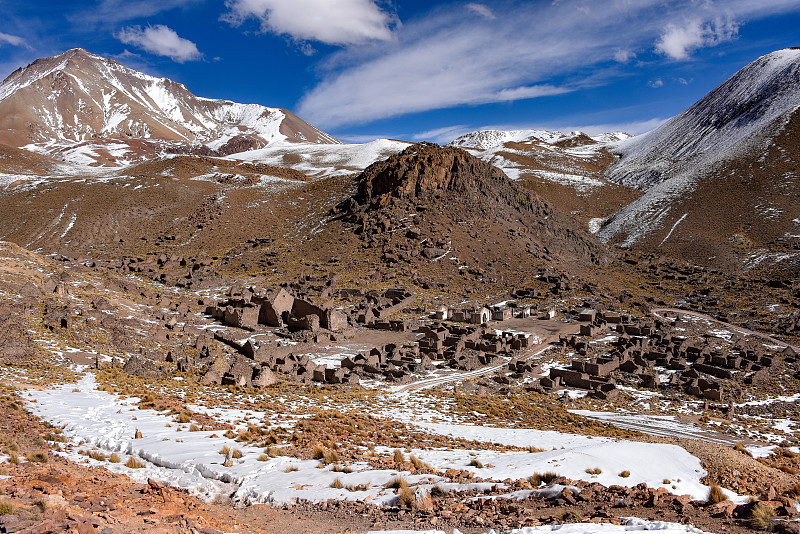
<point>78,97</point>
<point>732,119</point>
<point>720,179</point>
<point>317,160</point>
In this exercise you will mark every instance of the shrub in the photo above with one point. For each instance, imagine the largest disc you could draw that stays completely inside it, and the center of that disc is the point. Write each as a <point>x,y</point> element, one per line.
<point>326,455</point>
<point>13,458</point>
<point>398,456</point>
<point>625,474</point>
<point>537,479</point>
<point>337,483</point>
<point>133,463</point>
<point>236,453</point>
<point>263,458</point>
<point>762,517</point>
<point>225,450</point>
<point>40,457</point>
<point>184,417</point>
<point>274,452</point>
<point>114,458</point>
<point>406,497</point>
<point>397,482</point>
<point>97,455</point>
<point>6,508</point>
<point>341,469</point>
<point>194,428</point>
<point>594,471</point>
<point>417,463</point>
<point>476,463</point>
<point>291,468</point>
<point>715,495</point>
<point>357,487</point>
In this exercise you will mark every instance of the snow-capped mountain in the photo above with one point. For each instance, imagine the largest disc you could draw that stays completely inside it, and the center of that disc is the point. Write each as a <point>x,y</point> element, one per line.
<point>735,117</point>
<point>79,98</point>
<point>720,180</point>
<point>564,168</point>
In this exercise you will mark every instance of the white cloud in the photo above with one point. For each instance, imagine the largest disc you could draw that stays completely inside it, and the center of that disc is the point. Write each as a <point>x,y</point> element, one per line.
<point>113,11</point>
<point>678,41</point>
<point>623,55</point>
<point>160,40</point>
<point>444,59</point>
<point>340,22</point>
<point>482,10</point>
<point>655,84</point>
<point>13,40</point>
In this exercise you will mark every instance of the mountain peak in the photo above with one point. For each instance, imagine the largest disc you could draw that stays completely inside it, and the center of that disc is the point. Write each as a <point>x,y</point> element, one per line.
<point>78,97</point>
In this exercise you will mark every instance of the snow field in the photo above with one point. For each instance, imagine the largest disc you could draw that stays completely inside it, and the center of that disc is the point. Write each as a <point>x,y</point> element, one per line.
<point>192,460</point>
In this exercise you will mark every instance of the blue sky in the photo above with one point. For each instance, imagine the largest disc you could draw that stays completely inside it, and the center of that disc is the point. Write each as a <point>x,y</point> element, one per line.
<point>416,70</point>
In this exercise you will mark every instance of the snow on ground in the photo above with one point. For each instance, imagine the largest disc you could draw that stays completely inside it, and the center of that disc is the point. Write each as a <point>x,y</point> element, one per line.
<point>171,453</point>
<point>324,160</point>
<point>655,425</point>
<point>570,455</point>
<point>632,524</point>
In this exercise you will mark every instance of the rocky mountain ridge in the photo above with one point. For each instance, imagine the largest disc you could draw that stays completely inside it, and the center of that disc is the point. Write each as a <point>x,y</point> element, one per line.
<point>81,99</point>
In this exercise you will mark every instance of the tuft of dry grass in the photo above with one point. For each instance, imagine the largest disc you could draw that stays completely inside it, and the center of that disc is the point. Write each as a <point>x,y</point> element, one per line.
<point>326,455</point>
<point>40,457</point>
<point>417,463</point>
<point>184,417</point>
<point>274,452</point>
<point>762,517</point>
<point>397,482</point>
<point>535,449</point>
<point>97,455</point>
<point>794,492</point>
<point>537,479</point>
<point>194,428</point>
<point>291,468</point>
<point>236,453</point>
<point>406,497</point>
<point>357,487</point>
<point>6,508</point>
<point>476,463</point>
<point>263,458</point>
<point>341,469</point>
<point>114,458</point>
<point>337,483</point>
<point>225,450</point>
<point>398,456</point>
<point>625,474</point>
<point>133,463</point>
<point>716,495</point>
<point>594,471</point>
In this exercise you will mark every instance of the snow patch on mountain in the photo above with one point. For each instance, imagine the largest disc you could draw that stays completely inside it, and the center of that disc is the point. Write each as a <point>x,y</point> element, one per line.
<point>736,116</point>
